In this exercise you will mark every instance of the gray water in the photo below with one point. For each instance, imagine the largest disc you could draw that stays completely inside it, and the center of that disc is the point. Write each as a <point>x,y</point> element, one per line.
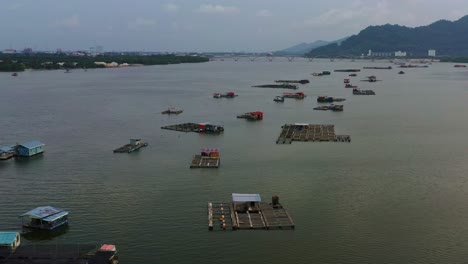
<point>397,194</point>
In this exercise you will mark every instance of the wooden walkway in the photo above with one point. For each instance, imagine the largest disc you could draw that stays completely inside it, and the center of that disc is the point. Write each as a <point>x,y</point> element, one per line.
<point>200,161</point>
<point>311,132</point>
<point>265,217</point>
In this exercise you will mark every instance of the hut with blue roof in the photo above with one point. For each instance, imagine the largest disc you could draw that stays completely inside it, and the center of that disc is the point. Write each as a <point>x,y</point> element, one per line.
<point>45,217</point>
<point>9,240</point>
<point>30,148</point>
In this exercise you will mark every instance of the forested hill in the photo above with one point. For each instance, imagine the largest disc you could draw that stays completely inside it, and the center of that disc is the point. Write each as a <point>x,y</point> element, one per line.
<point>446,37</point>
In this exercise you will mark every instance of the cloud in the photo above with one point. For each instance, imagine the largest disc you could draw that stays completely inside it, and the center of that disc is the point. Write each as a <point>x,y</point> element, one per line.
<point>264,13</point>
<point>216,9</point>
<point>171,8</point>
<point>72,22</point>
<point>141,23</point>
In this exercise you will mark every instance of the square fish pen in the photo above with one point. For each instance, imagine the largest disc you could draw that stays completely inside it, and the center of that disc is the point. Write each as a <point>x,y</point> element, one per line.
<point>310,132</point>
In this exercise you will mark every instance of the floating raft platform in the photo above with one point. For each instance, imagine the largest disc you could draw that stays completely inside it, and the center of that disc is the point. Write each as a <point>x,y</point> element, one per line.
<point>200,161</point>
<point>292,81</point>
<point>171,111</point>
<point>363,92</point>
<point>255,216</point>
<point>310,132</point>
<point>60,254</point>
<point>278,86</point>
<point>197,128</point>
<point>135,144</point>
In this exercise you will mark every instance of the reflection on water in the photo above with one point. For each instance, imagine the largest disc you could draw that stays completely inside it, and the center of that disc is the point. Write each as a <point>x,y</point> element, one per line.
<point>32,234</point>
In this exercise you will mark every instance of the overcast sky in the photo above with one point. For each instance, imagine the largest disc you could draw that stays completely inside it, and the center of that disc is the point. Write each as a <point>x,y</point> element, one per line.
<point>203,25</point>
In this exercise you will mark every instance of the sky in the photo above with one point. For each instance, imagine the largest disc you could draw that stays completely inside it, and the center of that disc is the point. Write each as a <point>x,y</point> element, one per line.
<point>204,25</point>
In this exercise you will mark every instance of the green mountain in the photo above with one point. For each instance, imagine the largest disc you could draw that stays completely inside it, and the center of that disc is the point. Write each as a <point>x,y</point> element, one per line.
<point>446,37</point>
<point>303,48</point>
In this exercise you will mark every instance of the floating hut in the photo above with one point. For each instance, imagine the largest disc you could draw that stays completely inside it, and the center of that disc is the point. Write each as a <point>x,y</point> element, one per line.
<point>208,158</point>
<point>7,152</point>
<point>309,132</point>
<point>172,110</point>
<point>135,144</point>
<point>210,128</point>
<point>9,240</point>
<point>252,116</point>
<point>346,81</point>
<point>46,218</point>
<point>30,148</point>
<point>248,212</point>
<point>225,95</point>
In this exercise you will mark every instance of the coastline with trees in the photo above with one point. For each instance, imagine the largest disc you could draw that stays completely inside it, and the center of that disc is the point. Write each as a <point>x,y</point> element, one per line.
<point>47,61</point>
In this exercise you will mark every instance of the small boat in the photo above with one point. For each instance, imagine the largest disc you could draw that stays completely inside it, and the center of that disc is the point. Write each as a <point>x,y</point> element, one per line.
<point>326,73</point>
<point>346,81</point>
<point>226,95</point>
<point>401,72</point>
<point>317,74</point>
<point>348,85</point>
<point>46,218</point>
<point>278,99</point>
<point>67,71</point>
<point>328,99</point>
<point>14,74</point>
<point>299,95</point>
<point>348,70</point>
<point>459,66</point>
<point>252,116</point>
<point>9,240</point>
<point>352,75</point>
<point>172,110</point>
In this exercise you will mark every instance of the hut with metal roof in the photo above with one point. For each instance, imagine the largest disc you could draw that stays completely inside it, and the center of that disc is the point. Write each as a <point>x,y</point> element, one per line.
<point>245,201</point>
<point>30,148</point>
<point>45,217</point>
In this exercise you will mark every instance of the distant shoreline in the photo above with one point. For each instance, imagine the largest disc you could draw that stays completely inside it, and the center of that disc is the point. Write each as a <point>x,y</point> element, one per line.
<point>22,62</point>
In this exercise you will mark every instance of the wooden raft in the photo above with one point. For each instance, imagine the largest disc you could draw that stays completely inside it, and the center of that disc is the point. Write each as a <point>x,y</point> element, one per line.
<point>311,132</point>
<point>200,161</point>
<point>265,217</point>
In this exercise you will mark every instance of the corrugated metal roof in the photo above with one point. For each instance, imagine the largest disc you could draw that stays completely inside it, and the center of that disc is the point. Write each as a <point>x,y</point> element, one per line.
<point>246,197</point>
<point>7,238</point>
<point>32,144</point>
<point>55,216</point>
<point>41,212</point>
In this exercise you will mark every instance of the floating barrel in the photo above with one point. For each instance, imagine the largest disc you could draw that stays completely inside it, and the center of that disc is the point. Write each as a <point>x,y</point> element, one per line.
<point>275,200</point>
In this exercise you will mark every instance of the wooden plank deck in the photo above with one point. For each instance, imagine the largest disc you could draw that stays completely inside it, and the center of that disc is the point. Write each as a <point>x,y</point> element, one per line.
<point>267,217</point>
<point>216,213</point>
<point>314,133</point>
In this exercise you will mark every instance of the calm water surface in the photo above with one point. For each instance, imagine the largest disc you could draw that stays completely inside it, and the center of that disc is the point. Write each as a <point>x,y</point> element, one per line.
<point>397,194</point>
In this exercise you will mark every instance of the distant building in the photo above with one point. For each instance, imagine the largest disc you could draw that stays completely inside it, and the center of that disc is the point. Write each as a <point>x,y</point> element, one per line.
<point>31,148</point>
<point>99,49</point>
<point>27,51</point>
<point>381,54</point>
<point>400,53</point>
<point>59,51</point>
<point>431,53</point>
<point>9,51</point>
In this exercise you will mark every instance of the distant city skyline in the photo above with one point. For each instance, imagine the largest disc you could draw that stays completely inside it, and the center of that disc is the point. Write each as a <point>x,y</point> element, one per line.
<point>203,26</point>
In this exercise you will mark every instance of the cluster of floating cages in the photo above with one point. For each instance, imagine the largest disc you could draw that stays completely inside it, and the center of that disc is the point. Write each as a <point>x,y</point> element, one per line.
<point>363,92</point>
<point>310,132</point>
<point>196,127</point>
